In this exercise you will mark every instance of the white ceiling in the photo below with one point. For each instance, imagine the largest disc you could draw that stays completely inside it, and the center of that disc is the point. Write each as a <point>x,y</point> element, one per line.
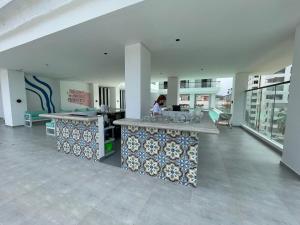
<point>222,37</point>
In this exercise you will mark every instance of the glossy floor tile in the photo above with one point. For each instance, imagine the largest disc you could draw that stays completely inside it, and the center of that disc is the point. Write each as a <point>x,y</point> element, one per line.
<point>240,182</point>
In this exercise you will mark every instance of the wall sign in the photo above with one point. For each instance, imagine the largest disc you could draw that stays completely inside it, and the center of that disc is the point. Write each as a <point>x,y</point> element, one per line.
<point>79,97</point>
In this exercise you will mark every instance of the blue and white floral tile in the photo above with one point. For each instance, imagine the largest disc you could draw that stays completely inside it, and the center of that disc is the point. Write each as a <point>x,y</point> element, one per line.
<point>78,138</point>
<point>166,154</point>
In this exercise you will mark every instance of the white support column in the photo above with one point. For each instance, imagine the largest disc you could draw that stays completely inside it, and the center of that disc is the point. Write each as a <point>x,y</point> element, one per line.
<point>137,81</point>
<point>173,86</point>
<point>212,101</point>
<point>14,97</point>
<point>240,84</point>
<point>192,100</point>
<point>1,104</point>
<point>95,93</point>
<point>291,151</point>
<point>112,97</point>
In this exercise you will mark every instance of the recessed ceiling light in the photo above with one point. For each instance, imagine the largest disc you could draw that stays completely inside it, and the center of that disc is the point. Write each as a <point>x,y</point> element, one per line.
<point>47,64</point>
<point>105,53</point>
<point>177,39</point>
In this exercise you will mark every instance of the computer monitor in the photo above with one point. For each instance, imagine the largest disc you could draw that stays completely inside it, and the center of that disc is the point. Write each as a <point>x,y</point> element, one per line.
<point>176,108</point>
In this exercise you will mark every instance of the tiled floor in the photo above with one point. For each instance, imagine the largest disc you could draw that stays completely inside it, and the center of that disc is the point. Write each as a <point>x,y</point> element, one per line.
<point>240,182</point>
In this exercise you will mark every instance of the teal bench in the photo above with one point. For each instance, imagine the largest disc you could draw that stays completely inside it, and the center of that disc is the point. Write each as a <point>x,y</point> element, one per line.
<point>219,117</point>
<point>31,117</point>
<point>50,128</point>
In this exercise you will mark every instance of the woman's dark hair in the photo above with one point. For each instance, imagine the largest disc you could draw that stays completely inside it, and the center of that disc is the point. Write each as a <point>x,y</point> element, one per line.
<point>160,98</point>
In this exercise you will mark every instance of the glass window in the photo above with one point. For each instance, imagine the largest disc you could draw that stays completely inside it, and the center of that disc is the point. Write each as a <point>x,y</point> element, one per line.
<point>198,84</point>
<point>184,84</point>
<point>184,101</point>
<point>202,101</point>
<point>223,103</point>
<point>165,84</point>
<point>275,80</point>
<point>206,82</point>
<point>266,110</point>
<point>184,97</point>
<point>279,114</point>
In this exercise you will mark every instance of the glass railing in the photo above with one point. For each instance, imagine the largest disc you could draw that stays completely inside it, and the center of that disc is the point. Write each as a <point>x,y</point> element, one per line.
<point>266,110</point>
<point>223,103</point>
<point>207,84</point>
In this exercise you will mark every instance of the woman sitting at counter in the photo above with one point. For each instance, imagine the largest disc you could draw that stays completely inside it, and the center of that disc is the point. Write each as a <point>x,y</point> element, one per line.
<point>156,110</point>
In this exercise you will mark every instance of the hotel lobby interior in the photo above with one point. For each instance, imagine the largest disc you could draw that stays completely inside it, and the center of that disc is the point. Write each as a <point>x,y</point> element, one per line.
<point>149,112</point>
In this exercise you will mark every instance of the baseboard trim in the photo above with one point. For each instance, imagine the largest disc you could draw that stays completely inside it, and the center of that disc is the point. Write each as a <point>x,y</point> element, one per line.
<point>289,168</point>
<point>278,148</point>
<point>13,126</point>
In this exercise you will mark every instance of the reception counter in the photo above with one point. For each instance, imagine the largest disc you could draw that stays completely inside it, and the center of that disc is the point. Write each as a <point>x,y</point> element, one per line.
<point>81,136</point>
<point>166,150</point>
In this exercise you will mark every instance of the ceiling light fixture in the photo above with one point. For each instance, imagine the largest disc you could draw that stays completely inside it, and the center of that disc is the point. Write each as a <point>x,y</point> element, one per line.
<point>177,39</point>
<point>105,53</point>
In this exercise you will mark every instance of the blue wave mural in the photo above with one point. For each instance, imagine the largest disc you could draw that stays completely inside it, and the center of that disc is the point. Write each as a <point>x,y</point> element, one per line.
<point>42,104</point>
<point>41,89</point>
<point>50,91</point>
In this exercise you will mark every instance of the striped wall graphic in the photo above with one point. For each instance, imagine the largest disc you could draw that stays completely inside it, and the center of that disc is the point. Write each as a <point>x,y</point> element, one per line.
<point>43,91</point>
<point>40,97</point>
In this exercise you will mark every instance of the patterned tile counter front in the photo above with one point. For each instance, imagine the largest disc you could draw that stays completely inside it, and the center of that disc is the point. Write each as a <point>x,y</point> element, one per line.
<point>163,153</point>
<point>79,138</point>
<point>82,136</point>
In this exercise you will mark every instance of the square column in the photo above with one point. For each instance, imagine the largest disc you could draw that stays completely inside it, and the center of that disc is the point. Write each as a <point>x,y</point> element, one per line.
<point>291,150</point>
<point>13,96</point>
<point>212,101</point>
<point>1,104</point>
<point>137,81</point>
<point>240,84</point>
<point>172,94</point>
<point>192,100</point>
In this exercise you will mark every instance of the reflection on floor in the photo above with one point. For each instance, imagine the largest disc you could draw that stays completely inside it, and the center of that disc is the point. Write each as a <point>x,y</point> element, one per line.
<point>240,182</point>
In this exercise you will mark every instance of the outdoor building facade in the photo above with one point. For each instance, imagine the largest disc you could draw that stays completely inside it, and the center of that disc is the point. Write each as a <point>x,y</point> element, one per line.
<point>266,108</point>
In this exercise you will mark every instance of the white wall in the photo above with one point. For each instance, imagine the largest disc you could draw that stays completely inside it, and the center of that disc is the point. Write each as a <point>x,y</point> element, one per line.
<point>172,93</point>
<point>154,97</point>
<point>118,88</point>
<point>1,103</point>
<point>13,88</point>
<point>113,97</point>
<point>94,90</point>
<point>33,100</point>
<point>291,152</point>
<point>65,86</point>
<point>240,84</point>
<point>137,81</point>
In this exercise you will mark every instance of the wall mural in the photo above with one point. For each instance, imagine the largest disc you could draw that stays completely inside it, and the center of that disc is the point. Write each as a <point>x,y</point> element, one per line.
<point>79,97</point>
<point>43,91</point>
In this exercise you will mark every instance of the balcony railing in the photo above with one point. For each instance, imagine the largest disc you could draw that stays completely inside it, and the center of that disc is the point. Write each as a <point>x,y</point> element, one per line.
<point>267,113</point>
<point>207,84</point>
